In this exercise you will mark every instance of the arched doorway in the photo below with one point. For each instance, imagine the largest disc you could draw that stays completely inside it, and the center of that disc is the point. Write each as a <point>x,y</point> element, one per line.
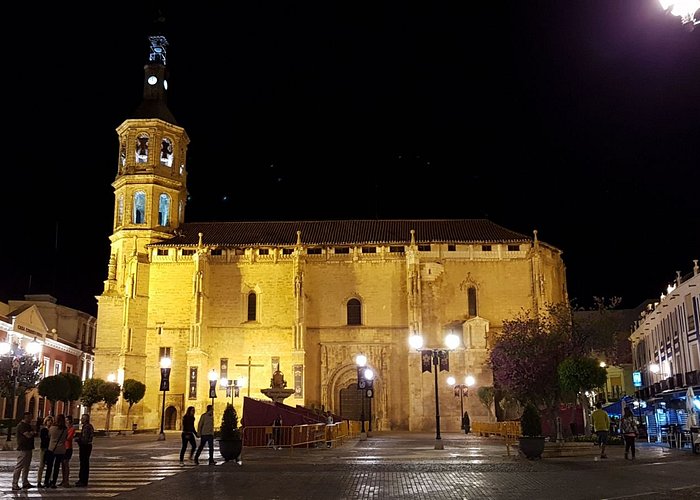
<point>170,423</point>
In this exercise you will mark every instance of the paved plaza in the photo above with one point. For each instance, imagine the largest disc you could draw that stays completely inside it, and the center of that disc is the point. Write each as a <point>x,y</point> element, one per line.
<point>392,465</point>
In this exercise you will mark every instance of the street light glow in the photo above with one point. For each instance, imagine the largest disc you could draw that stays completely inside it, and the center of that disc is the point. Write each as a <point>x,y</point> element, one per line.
<point>361,360</point>
<point>469,380</point>
<point>416,341</point>
<point>166,362</point>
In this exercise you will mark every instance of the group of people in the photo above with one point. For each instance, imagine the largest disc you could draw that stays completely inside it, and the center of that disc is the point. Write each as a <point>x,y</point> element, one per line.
<point>628,428</point>
<point>204,431</point>
<point>56,437</point>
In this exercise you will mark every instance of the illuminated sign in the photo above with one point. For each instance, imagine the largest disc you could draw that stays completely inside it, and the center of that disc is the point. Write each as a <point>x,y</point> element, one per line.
<point>637,379</point>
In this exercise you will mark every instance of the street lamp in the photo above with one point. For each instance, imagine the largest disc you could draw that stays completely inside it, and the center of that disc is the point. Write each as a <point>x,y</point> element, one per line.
<point>213,377</point>
<point>365,383</point>
<point>440,361</point>
<point>6,350</point>
<point>369,393</point>
<point>165,364</point>
<point>685,9</point>
<point>461,390</point>
<point>231,388</point>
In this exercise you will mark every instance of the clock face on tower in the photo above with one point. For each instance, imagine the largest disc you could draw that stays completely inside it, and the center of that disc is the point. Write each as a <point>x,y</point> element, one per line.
<point>152,80</point>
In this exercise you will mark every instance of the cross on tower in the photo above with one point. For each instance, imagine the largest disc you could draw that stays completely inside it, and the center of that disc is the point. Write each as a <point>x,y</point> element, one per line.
<point>249,365</point>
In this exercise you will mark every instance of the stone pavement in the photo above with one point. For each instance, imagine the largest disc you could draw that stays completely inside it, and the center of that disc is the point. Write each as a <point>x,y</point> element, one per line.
<point>400,465</point>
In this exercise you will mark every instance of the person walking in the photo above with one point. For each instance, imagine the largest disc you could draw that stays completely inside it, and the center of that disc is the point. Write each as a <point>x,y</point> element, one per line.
<point>43,429</point>
<point>601,426</point>
<point>65,464</point>
<point>205,428</point>
<point>84,441</point>
<point>188,434</point>
<point>25,446</point>
<point>56,450</point>
<point>628,426</point>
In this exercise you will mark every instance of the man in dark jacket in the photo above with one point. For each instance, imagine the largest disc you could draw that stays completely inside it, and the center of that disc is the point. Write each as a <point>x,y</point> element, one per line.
<point>85,443</point>
<point>25,445</point>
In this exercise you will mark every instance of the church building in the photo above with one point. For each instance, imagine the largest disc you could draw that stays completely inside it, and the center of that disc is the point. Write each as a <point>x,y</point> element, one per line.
<point>240,300</point>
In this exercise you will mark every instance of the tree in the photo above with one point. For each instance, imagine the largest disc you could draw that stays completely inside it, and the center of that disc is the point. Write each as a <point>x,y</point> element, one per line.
<point>109,391</point>
<point>578,375</point>
<point>75,388</point>
<point>27,376</point>
<point>54,388</point>
<point>91,393</point>
<point>133,392</point>
<point>486,395</point>
<point>526,356</point>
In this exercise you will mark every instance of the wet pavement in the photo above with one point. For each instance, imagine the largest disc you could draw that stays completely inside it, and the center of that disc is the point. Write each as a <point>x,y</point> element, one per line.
<point>388,465</point>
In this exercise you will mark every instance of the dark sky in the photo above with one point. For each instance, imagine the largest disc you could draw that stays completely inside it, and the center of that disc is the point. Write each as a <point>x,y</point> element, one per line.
<point>578,119</point>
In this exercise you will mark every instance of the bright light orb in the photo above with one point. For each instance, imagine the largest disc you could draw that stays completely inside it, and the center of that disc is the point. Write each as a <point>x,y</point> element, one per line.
<point>416,341</point>
<point>361,360</point>
<point>166,362</point>
<point>451,380</point>
<point>452,341</point>
<point>469,380</point>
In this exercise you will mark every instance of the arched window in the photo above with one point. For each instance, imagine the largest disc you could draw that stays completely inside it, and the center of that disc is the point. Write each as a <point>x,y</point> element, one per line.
<point>166,152</point>
<point>471,301</point>
<point>139,216</point>
<point>354,309</point>
<point>164,210</point>
<point>120,211</point>
<point>142,149</point>
<point>252,306</point>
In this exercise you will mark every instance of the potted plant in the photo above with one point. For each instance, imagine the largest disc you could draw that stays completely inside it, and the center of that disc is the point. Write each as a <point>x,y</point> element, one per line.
<point>230,439</point>
<point>531,443</point>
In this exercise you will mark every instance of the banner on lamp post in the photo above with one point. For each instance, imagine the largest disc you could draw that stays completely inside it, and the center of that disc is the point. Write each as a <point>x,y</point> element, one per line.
<point>426,358</point>
<point>444,362</point>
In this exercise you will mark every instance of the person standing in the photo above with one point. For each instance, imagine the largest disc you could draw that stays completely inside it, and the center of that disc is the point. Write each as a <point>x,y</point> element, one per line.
<point>601,426</point>
<point>65,464</point>
<point>628,426</point>
<point>205,428</point>
<point>43,429</point>
<point>25,445</point>
<point>277,432</point>
<point>188,434</point>
<point>84,441</point>
<point>54,453</point>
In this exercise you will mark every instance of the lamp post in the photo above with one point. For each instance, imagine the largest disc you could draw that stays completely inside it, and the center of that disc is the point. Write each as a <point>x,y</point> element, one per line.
<point>232,389</point>
<point>365,383</point>
<point>369,394</point>
<point>212,385</point>
<point>165,364</point>
<point>6,350</point>
<point>685,9</point>
<point>434,360</point>
<point>463,391</point>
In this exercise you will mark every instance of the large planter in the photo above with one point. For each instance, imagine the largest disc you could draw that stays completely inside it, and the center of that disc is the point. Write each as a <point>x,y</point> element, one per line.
<point>230,450</point>
<point>531,446</point>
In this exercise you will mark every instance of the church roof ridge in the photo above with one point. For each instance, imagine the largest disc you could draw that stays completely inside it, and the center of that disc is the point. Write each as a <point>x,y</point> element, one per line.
<point>342,232</point>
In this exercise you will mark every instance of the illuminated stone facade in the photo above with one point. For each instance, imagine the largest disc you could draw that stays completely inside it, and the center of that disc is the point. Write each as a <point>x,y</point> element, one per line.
<point>304,296</point>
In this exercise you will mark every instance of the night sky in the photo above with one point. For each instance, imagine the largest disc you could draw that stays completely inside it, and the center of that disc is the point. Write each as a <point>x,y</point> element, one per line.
<point>578,119</point>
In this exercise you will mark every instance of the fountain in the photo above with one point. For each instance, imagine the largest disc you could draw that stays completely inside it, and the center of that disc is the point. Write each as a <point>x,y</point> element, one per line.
<point>277,391</point>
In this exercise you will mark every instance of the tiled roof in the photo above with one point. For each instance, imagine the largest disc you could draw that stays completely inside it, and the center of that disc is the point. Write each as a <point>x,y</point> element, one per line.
<point>343,232</point>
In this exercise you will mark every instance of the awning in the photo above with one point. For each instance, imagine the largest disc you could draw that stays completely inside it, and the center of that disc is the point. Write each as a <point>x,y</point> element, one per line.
<point>616,407</point>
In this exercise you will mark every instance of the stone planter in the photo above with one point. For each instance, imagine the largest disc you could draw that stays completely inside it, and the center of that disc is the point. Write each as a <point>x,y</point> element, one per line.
<point>531,446</point>
<point>230,450</point>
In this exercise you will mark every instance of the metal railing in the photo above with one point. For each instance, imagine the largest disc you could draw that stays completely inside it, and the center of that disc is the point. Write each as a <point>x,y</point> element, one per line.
<point>510,431</point>
<point>299,436</point>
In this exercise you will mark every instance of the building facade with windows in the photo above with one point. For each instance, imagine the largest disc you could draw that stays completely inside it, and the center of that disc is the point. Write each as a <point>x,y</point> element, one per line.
<point>65,338</point>
<point>242,299</point>
<point>666,355</point>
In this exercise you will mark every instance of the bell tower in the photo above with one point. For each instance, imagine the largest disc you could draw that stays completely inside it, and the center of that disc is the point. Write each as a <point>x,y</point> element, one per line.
<point>150,191</point>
